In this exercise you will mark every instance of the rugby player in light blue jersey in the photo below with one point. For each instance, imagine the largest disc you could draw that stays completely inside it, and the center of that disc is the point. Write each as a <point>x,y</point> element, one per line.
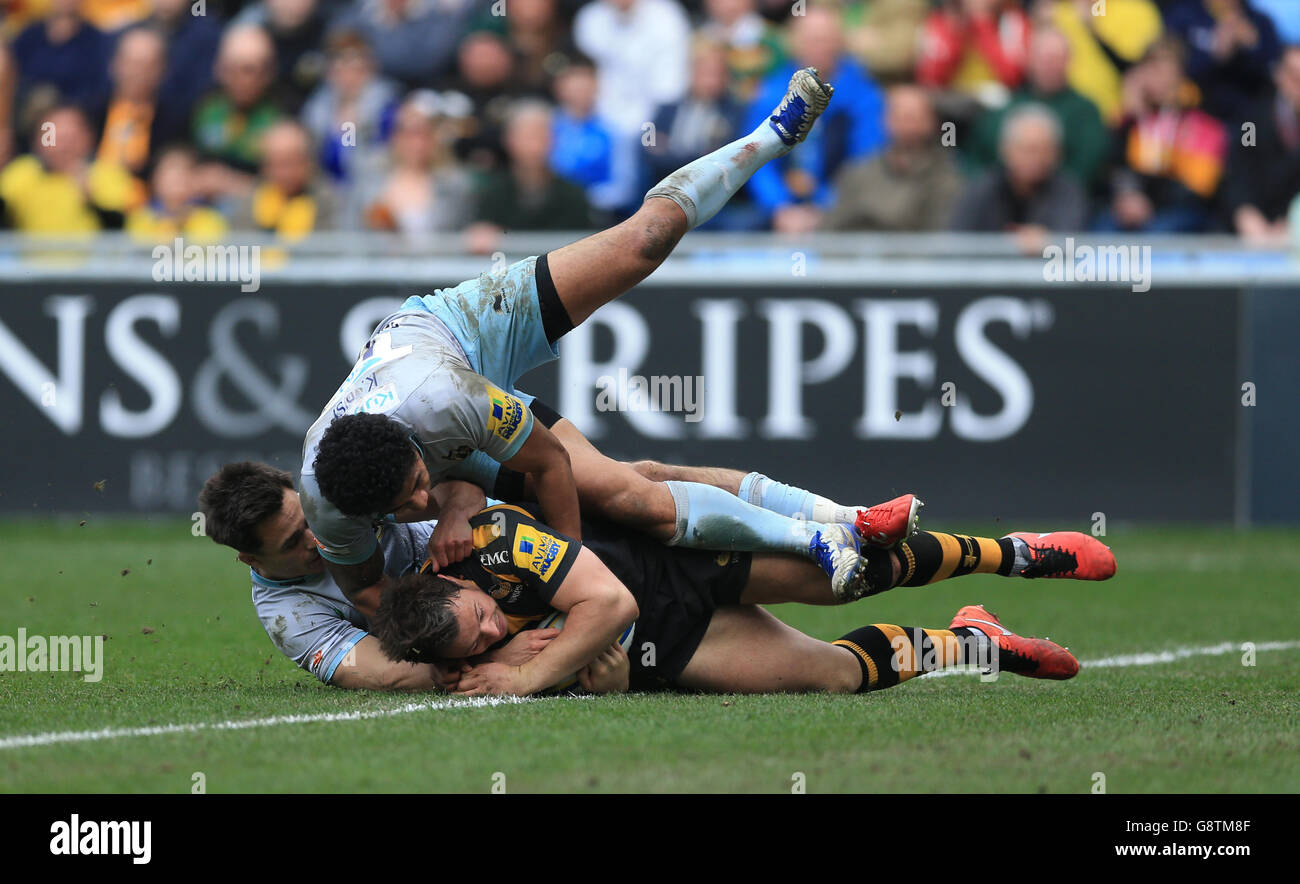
<point>432,397</point>
<point>253,508</point>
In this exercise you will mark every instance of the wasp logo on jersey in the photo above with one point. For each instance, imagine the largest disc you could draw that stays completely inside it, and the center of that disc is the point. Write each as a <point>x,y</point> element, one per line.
<point>505,593</point>
<point>538,552</point>
<point>505,414</point>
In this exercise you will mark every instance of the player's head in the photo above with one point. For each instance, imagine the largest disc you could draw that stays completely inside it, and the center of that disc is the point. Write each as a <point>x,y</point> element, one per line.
<point>253,508</point>
<point>433,616</point>
<point>366,464</point>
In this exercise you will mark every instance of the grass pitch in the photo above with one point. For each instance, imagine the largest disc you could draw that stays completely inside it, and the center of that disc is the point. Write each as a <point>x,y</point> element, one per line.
<point>185,648</point>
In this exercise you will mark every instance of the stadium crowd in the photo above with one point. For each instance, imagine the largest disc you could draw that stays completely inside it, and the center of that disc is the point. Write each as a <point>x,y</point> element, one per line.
<point>200,117</point>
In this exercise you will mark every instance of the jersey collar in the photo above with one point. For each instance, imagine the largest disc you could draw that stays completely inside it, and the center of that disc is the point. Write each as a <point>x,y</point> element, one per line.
<point>282,584</point>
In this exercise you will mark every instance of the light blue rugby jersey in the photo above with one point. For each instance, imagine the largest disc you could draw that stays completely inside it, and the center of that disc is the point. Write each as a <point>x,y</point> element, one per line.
<point>414,370</point>
<point>311,621</point>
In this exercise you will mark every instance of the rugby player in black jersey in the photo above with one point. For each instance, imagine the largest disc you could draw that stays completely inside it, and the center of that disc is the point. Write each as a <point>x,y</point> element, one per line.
<point>699,624</point>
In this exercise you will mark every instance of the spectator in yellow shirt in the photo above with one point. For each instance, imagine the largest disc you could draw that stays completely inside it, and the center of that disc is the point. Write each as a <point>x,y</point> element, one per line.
<point>59,190</point>
<point>289,199</point>
<point>173,209</point>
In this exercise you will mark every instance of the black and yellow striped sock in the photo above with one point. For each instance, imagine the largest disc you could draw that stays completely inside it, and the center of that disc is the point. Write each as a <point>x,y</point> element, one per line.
<point>890,654</point>
<point>927,557</point>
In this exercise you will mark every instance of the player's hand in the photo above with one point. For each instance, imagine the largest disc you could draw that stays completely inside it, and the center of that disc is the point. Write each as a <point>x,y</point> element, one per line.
<point>523,647</point>
<point>608,673</point>
<point>447,675</point>
<point>452,541</point>
<point>491,679</point>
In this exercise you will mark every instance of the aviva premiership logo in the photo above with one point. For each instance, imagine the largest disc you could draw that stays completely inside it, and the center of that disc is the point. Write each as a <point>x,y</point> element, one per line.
<point>506,414</point>
<point>538,553</point>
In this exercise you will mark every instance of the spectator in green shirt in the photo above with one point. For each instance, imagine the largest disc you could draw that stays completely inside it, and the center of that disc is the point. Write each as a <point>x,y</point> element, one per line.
<point>527,194</point>
<point>229,124</point>
<point>1086,142</point>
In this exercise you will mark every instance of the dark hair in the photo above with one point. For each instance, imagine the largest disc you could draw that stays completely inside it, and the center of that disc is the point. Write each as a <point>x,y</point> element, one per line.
<point>362,463</point>
<point>415,620</point>
<point>238,498</point>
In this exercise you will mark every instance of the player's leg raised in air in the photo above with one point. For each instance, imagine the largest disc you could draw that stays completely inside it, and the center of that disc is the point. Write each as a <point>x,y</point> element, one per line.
<point>509,322</point>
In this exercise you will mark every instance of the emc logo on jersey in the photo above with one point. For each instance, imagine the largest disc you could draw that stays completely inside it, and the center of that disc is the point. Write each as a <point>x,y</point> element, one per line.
<point>488,559</point>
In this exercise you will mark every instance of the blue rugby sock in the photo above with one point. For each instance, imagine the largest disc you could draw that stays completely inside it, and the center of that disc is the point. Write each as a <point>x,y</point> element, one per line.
<point>710,518</point>
<point>789,500</point>
<point>702,187</point>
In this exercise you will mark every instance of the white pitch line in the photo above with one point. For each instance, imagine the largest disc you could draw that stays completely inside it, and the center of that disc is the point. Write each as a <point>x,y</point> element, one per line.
<point>1151,658</point>
<point>22,741</point>
<point>26,740</point>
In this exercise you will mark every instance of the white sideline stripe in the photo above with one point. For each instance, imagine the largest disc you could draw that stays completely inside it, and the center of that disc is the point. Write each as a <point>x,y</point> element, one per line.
<point>23,741</point>
<point>26,740</point>
<point>1150,658</point>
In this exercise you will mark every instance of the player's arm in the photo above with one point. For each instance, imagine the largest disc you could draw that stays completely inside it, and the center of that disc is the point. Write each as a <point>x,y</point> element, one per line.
<point>597,607</point>
<point>501,426</point>
<point>367,668</point>
<point>455,502</point>
<point>544,458</point>
<point>364,583</point>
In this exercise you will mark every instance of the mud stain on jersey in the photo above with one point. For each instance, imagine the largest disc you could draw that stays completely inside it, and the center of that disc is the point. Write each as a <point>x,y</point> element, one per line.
<point>278,629</point>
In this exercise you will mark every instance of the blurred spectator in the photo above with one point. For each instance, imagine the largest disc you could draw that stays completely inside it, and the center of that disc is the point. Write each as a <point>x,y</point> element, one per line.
<point>1087,141</point>
<point>974,47</point>
<point>706,119</point>
<point>1286,18</point>
<point>641,49</point>
<point>539,38</point>
<point>114,15</point>
<point>752,45</point>
<point>885,36</point>
<point>228,125</point>
<point>912,184</point>
<point>288,199</point>
<point>583,149</point>
<point>1170,155</point>
<point>418,189</point>
<point>63,56</point>
<point>136,121</point>
<point>15,15</point>
<point>8,86</point>
<point>1029,193</point>
<point>528,195</point>
<point>297,29</point>
<point>794,189</point>
<point>351,113</point>
<point>1264,169</point>
<point>192,42</point>
<point>61,189</point>
<point>173,209</point>
<point>486,78</point>
<point>1231,51</point>
<point>1103,47</point>
<point>414,40</point>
